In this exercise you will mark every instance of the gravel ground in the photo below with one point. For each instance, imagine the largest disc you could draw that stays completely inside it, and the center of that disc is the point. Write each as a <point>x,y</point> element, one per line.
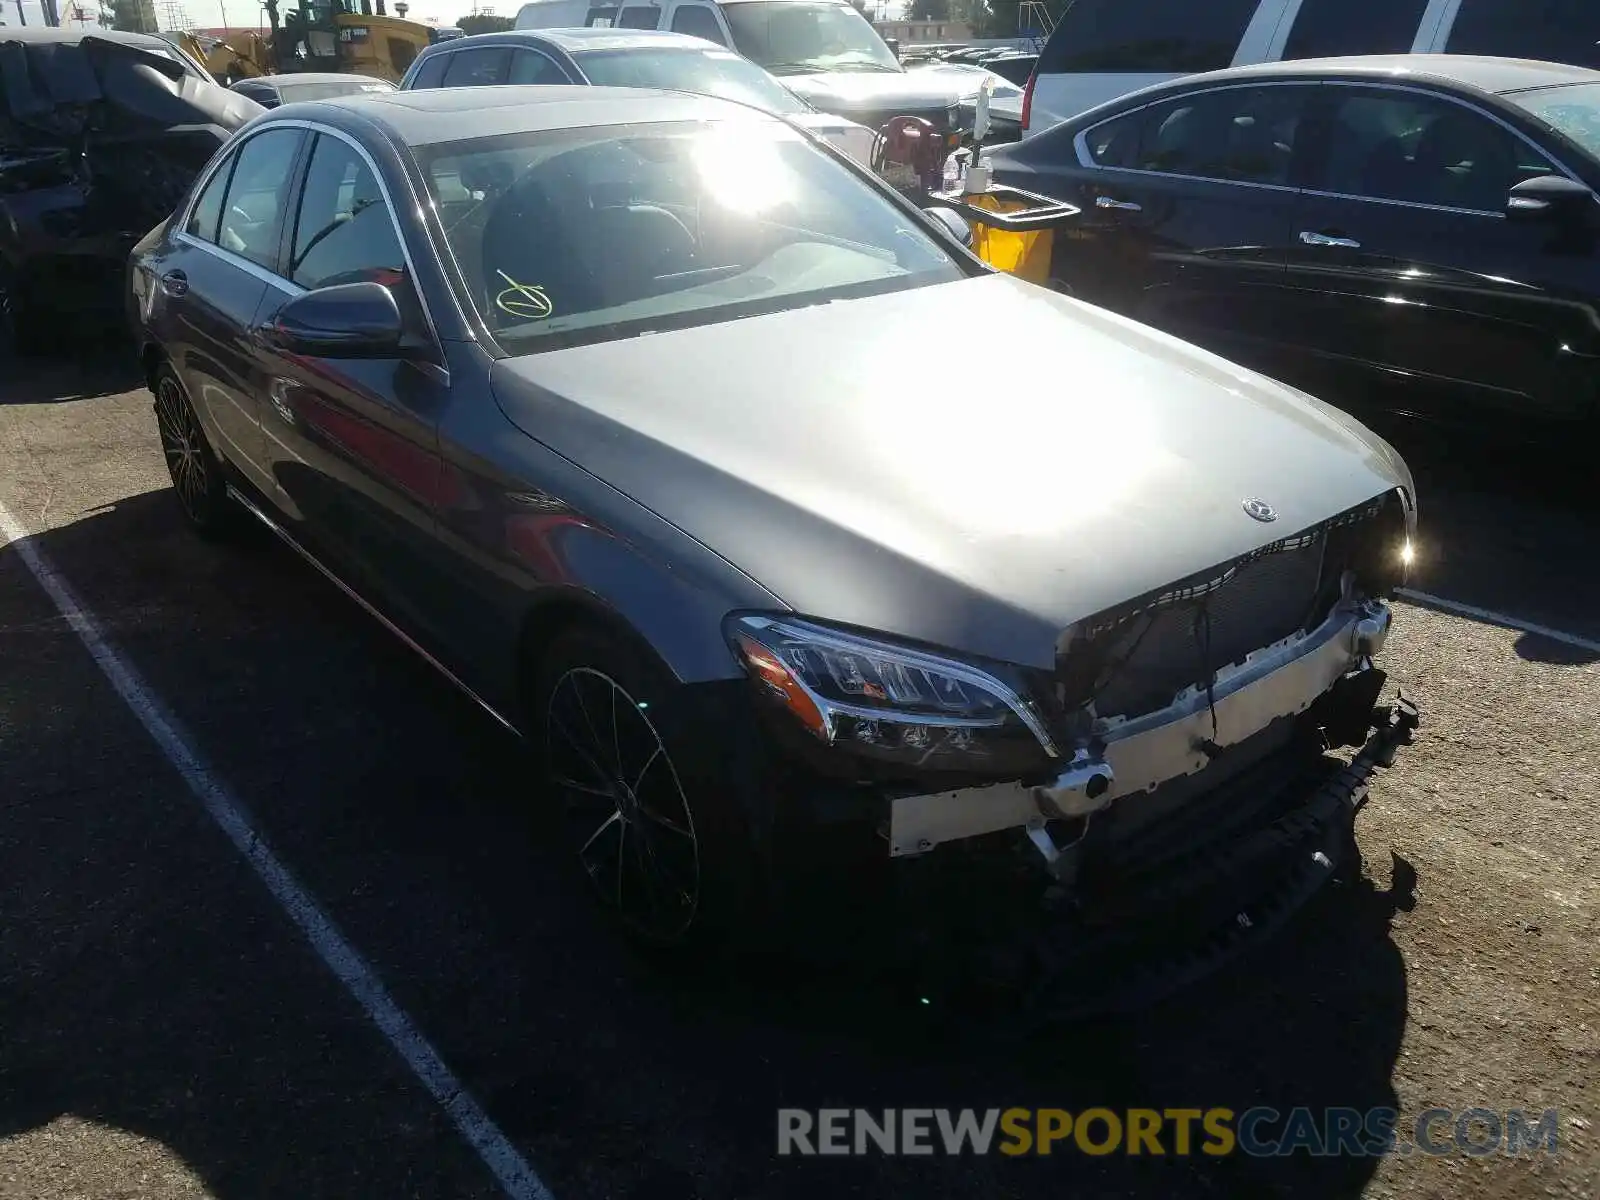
<point>169,1033</point>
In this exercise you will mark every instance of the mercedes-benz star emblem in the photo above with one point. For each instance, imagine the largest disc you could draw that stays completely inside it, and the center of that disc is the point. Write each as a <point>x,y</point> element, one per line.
<point>1260,509</point>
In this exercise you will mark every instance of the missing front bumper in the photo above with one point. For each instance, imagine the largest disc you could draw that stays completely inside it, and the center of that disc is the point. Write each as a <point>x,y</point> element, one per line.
<point>1139,755</point>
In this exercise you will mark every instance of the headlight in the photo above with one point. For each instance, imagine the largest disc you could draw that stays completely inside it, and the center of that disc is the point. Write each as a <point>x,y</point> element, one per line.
<point>890,702</point>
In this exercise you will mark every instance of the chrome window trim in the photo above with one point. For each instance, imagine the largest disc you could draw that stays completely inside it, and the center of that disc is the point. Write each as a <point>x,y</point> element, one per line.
<point>1086,161</point>
<point>254,269</point>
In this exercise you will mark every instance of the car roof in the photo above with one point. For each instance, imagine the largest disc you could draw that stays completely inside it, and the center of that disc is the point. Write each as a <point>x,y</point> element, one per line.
<point>430,115</point>
<point>64,36</point>
<point>1494,75</point>
<point>315,77</point>
<point>579,39</point>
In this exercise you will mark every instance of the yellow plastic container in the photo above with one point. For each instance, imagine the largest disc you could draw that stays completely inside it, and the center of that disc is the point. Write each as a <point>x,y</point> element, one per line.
<point>1023,254</point>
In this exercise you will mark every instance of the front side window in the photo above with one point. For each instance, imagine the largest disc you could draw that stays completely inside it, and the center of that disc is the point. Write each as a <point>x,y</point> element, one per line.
<point>1176,37</point>
<point>1420,149</point>
<point>344,232</point>
<point>706,72</point>
<point>790,37</point>
<point>1563,31</point>
<point>1330,28</point>
<point>600,233</point>
<point>252,215</point>
<point>1237,135</point>
<point>478,68</point>
<point>1573,110</point>
<point>697,20</point>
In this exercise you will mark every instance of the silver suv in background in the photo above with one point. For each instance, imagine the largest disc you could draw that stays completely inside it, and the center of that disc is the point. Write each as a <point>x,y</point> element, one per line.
<point>1102,49</point>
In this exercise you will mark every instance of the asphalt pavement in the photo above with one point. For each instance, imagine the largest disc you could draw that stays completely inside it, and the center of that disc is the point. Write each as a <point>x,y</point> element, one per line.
<point>169,1029</point>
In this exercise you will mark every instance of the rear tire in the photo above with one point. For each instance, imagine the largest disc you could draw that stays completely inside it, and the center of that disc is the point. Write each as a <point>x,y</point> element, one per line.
<point>197,475</point>
<point>648,806</point>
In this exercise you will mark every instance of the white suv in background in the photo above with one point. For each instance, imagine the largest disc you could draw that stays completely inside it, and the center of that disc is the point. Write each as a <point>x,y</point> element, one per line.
<point>1102,49</point>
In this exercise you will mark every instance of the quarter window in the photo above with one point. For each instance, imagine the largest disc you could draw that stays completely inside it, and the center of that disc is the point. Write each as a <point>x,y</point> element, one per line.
<point>1424,150</point>
<point>252,216</point>
<point>203,220</point>
<point>1564,31</point>
<point>529,66</point>
<point>431,73</point>
<point>1329,28</point>
<point>696,20</point>
<point>1165,36</point>
<point>1242,135</point>
<point>344,233</point>
<point>478,68</point>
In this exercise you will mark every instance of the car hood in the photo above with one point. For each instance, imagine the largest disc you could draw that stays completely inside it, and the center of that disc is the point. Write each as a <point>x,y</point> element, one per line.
<point>876,92</point>
<point>889,479</point>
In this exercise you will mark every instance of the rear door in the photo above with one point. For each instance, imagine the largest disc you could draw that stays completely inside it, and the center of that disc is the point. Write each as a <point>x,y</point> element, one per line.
<point>1404,266</point>
<point>1187,207</point>
<point>212,285</point>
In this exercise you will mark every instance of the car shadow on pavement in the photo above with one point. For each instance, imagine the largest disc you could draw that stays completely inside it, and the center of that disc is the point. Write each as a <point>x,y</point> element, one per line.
<point>149,984</point>
<point>66,377</point>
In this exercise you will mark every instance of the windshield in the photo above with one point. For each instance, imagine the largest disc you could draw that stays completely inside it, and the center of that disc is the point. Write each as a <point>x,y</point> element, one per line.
<point>797,36</point>
<point>593,234</point>
<point>1574,109</point>
<point>707,72</point>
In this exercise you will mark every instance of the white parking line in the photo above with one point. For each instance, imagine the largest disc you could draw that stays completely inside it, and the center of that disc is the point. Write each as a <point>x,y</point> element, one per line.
<point>1490,617</point>
<point>512,1171</point>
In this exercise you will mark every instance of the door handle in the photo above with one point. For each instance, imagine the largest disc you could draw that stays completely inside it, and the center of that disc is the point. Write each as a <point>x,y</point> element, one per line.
<point>1324,239</point>
<point>175,283</point>
<point>1119,205</point>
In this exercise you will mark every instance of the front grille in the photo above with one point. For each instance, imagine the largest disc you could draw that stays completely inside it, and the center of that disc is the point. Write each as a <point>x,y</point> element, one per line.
<point>1134,659</point>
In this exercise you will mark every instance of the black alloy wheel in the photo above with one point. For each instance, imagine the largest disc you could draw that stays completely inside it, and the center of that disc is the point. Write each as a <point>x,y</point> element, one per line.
<point>196,474</point>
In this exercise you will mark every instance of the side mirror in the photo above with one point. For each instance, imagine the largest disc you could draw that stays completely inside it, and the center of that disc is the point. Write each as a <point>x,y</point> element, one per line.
<point>348,320</point>
<point>1549,198</point>
<point>952,223</point>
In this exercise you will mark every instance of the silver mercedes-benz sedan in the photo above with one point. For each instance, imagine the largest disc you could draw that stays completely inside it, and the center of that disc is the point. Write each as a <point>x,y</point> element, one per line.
<point>649,421</point>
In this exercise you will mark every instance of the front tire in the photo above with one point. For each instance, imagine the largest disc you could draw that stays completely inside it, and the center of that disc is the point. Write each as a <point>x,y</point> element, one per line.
<point>647,810</point>
<point>197,477</point>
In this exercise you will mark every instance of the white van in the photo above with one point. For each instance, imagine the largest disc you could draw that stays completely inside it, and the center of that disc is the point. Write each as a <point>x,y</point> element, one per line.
<point>1102,49</point>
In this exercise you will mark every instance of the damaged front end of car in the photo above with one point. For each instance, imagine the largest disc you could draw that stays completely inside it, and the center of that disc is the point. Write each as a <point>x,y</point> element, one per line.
<point>99,141</point>
<point>1178,770</point>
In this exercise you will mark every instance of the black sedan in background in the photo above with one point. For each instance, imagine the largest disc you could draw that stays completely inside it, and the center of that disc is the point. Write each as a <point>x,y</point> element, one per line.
<point>1425,219</point>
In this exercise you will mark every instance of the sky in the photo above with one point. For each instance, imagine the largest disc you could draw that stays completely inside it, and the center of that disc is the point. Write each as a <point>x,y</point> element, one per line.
<point>242,14</point>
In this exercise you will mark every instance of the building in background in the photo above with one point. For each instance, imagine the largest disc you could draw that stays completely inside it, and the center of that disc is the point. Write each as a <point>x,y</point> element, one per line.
<point>923,33</point>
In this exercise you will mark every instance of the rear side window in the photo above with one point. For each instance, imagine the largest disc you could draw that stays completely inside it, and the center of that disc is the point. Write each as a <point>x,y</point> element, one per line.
<point>478,68</point>
<point>1236,135</point>
<point>697,20</point>
<point>252,215</point>
<point>639,16</point>
<point>431,73</point>
<point>1328,28</point>
<point>1564,31</point>
<point>1165,36</point>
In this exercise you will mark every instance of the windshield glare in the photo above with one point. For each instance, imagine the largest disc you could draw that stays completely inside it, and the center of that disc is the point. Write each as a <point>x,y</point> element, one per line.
<point>707,72</point>
<point>1574,109</point>
<point>593,234</point>
<point>795,36</point>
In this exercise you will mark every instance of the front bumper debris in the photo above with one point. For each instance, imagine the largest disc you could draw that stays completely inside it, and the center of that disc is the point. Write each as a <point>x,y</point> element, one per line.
<point>1139,755</point>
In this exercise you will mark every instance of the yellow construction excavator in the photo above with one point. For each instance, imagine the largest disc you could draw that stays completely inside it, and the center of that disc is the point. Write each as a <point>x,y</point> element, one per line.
<point>345,36</point>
